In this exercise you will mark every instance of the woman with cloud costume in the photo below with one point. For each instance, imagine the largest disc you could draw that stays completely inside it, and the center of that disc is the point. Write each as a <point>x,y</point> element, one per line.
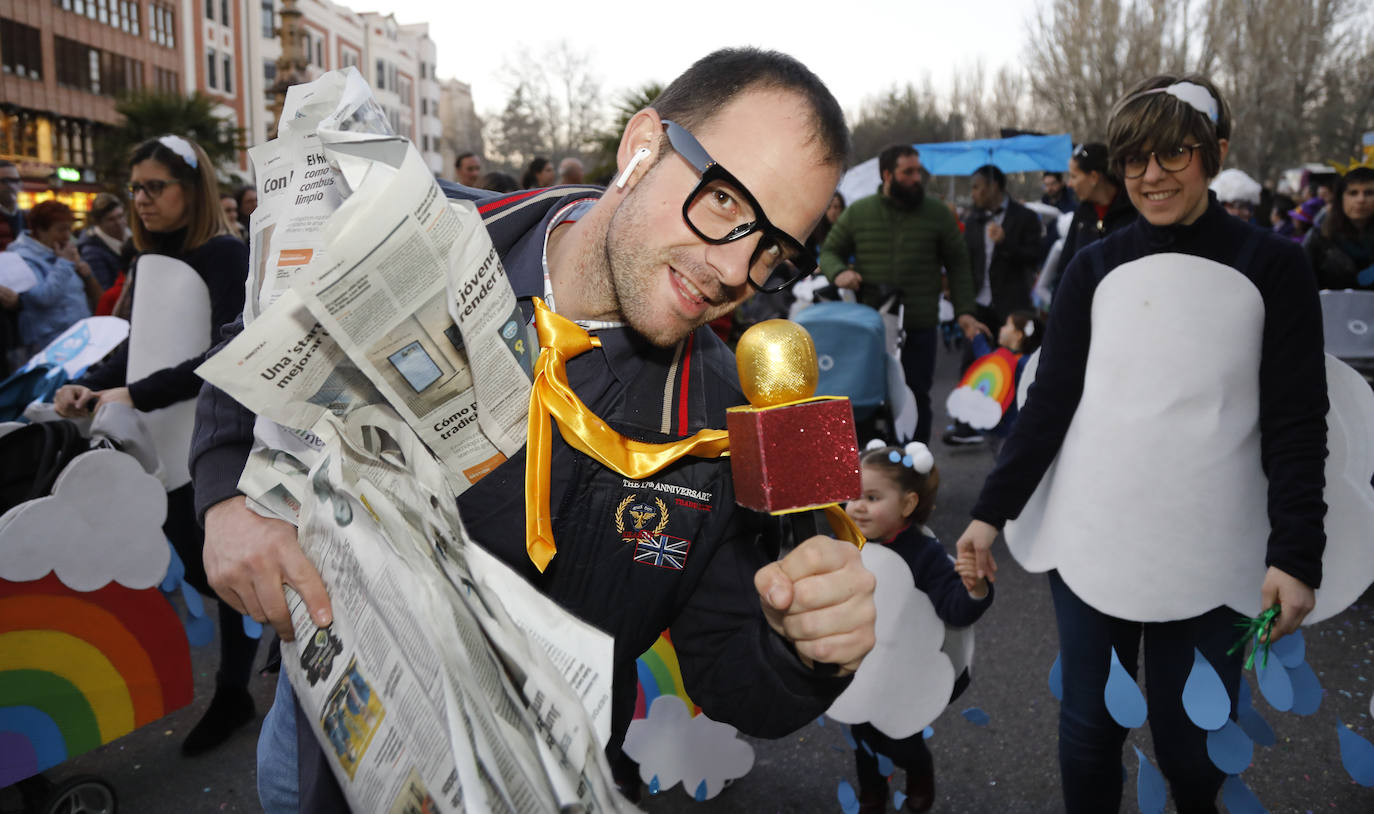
<point>175,196</point>
<point>1181,365</point>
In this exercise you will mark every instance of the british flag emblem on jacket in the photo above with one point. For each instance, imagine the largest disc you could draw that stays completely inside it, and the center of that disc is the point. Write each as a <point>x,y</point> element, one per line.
<point>662,550</point>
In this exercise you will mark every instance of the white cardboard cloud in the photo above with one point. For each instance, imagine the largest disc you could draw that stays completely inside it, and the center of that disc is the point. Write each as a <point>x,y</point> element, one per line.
<point>102,524</point>
<point>675,747</point>
<point>905,682</point>
<point>974,408</point>
<point>1196,538</point>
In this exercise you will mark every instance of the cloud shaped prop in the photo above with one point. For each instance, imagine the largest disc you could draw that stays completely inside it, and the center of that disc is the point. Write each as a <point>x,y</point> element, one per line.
<point>972,407</point>
<point>1143,418</point>
<point>102,524</point>
<point>905,682</point>
<point>671,746</point>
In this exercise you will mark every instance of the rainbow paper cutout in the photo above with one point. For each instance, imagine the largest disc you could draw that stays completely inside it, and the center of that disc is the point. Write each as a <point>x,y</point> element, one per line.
<point>660,674</point>
<point>80,669</point>
<point>994,376</point>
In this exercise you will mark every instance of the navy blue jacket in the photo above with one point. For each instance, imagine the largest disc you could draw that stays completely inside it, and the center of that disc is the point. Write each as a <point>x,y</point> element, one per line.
<point>935,577</point>
<point>634,557</point>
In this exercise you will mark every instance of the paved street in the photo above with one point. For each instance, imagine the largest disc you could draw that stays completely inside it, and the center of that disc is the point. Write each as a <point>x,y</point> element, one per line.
<point>1009,765</point>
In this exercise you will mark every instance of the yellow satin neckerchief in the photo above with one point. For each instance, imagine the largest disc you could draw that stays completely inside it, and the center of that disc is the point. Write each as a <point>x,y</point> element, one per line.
<point>551,397</point>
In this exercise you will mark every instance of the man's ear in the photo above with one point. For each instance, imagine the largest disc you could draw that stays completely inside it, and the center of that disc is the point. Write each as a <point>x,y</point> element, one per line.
<point>1223,147</point>
<point>642,132</point>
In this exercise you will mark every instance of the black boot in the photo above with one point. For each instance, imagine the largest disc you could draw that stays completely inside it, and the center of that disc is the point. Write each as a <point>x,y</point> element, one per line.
<point>231,708</point>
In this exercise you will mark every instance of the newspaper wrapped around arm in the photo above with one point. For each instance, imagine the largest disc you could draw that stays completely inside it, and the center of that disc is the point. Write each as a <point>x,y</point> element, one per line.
<point>389,365</point>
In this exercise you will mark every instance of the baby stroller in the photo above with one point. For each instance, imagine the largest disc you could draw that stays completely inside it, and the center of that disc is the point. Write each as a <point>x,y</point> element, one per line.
<point>1348,323</point>
<point>859,349</point>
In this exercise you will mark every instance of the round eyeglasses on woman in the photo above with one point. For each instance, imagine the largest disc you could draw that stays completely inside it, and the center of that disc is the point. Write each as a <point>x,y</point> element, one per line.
<point>1175,159</point>
<point>721,210</point>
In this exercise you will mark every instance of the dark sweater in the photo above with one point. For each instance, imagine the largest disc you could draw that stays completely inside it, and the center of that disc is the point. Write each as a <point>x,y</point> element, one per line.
<point>935,577</point>
<point>1292,386</point>
<point>1087,228</point>
<point>222,262</point>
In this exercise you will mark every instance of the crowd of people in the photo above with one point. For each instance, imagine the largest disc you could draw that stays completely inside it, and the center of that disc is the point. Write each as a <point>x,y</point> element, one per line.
<point>648,280</point>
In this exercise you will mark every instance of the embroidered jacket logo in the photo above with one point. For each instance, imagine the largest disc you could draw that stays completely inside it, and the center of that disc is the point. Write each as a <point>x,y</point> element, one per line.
<point>642,513</point>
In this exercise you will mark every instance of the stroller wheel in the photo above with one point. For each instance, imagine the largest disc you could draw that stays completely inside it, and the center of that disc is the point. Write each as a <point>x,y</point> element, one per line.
<point>84,794</point>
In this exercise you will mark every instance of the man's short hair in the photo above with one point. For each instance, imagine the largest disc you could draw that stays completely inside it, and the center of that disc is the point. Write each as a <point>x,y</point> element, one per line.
<point>887,159</point>
<point>993,175</point>
<point>1147,119</point>
<point>713,81</point>
<point>1058,176</point>
<point>458,162</point>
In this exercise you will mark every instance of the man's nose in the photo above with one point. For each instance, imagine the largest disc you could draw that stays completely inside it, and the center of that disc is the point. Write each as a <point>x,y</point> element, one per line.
<point>732,260</point>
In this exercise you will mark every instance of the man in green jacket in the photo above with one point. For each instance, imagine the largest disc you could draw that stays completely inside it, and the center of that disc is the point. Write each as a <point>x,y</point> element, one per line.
<point>901,237</point>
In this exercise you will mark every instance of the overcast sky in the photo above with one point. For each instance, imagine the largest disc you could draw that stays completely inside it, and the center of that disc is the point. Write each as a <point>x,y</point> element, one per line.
<point>859,48</point>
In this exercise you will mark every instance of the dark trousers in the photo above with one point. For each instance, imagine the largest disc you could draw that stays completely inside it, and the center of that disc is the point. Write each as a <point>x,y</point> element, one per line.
<point>918,365</point>
<point>236,648</point>
<point>1090,741</point>
<point>909,754</point>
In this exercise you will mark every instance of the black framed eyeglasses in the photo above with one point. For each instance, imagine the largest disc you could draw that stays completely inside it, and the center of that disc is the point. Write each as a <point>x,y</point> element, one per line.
<point>720,210</point>
<point>154,187</point>
<point>1172,160</point>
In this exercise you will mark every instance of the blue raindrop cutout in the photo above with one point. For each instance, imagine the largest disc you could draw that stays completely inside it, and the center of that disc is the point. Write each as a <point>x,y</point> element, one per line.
<point>884,765</point>
<point>1057,677</point>
<point>1204,695</point>
<point>701,792</point>
<point>976,716</point>
<point>1307,690</point>
<point>1124,700</point>
<point>1150,791</point>
<point>1243,697</point>
<point>176,572</point>
<point>653,785</point>
<point>849,801</point>
<point>928,733</point>
<point>194,604</point>
<point>1274,683</point>
<point>820,721</point>
<point>849,737</point>
<point>1255,726</point>
<point>1291,649</point>
<point>1239,799</point>
<point>867,748</point>
<point>200,630</point>
<point>898,799</point>
<point>1230,748</point>
<point>1357,755</point>
<point>252,628</point>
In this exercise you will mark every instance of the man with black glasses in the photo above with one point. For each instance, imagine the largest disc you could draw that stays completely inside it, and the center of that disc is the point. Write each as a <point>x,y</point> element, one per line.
<point>734,161</point>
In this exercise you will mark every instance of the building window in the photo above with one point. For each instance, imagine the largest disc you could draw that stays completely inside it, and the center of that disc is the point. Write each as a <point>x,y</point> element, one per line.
<point>269,19</point>
<point>381,74</point>
<point>166,81</point>
<point>319,52</point>
<point>81,67</point>
<point>211,64</point>
<point>21,49</point>
<point>224,12</point>
<point>228,75</point>
<point>269,71</point>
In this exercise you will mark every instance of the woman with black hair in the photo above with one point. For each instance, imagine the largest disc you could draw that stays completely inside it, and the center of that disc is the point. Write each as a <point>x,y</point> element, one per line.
<point>1341,250</point>
<point>538,174</point>
<point>1103,204</point>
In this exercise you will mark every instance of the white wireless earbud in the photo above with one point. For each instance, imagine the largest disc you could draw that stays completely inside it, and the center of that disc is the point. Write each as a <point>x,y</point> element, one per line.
<point>640,154</point>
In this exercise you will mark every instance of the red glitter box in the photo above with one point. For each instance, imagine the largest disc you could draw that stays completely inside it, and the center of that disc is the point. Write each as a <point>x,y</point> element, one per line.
<point>795,457</point>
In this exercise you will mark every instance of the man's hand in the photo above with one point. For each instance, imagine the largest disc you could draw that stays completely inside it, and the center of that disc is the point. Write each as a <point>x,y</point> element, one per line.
<point>1295,599</point>
<point>972,327</point>
<point>248,558</point>
<point>995,232</point>
<point>820,598</point>
<point>849,278</point>
<point>976,542</point>
<point>73,401</point>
